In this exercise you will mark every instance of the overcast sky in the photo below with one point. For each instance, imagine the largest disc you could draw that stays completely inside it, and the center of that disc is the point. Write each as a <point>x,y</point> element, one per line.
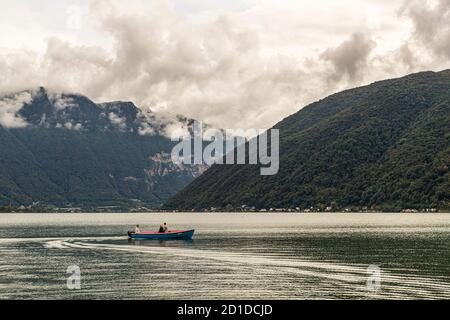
<point>231,63</point>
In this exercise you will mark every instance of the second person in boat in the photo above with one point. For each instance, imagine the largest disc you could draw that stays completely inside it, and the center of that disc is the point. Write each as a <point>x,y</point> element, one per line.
<point>163,228</point>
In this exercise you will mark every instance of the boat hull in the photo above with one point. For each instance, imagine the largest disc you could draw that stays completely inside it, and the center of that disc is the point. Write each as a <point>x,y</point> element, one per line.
<point>172,235</point>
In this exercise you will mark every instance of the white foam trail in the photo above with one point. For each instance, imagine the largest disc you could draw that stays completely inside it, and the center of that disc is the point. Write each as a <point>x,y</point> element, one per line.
<point>18,240</point>
<point>55,244</point>
<point>65,243</point>
<point>349,276</point>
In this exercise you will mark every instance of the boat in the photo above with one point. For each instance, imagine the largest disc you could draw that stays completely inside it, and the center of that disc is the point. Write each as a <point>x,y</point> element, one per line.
<point>169,235</point>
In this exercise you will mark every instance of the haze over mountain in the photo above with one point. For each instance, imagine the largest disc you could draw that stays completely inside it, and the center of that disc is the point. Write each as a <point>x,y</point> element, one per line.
<point>66,150</point>
<point>385,146</point>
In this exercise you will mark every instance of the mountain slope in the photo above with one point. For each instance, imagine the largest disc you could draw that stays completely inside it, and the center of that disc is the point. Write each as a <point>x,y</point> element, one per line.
<point>65,150</point>
<point>385,146</point>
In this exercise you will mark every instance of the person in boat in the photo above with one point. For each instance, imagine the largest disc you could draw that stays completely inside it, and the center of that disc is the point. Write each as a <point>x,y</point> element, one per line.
<point>163,228</point>
<point>137,229</point>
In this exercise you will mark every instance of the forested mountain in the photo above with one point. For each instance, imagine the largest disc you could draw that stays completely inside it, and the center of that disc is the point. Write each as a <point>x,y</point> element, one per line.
<point>65,150</point>
<point>385,146</point>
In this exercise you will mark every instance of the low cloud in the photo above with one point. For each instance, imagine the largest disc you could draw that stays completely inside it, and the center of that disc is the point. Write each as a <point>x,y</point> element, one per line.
<point>71,126</point>
<point>116,120</point>
<point>60,102</point>
<point>350,58</point>
<point>9,108</point>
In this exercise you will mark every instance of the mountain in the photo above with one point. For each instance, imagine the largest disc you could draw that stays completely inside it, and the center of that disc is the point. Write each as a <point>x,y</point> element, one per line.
<point>65,150</point>
<point>385,146</point>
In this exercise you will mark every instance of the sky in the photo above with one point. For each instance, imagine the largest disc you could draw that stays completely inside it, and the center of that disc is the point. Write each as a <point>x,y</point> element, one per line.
<point>231,63</point>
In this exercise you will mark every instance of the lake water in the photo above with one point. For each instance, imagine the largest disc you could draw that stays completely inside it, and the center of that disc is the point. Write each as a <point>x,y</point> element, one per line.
<point>232,256</point>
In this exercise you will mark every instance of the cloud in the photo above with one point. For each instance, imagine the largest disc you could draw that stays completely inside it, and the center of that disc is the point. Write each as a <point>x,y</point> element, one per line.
<point>431,24</point>
<point>116,120</point>
<point>244,68</point>
<point>71,126</point>
<point>9,107</point>
<point>406,56</point>
<point>350,58</point>
<point>61,102</point>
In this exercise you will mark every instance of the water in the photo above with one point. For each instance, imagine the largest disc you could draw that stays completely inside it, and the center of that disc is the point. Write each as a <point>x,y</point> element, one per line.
<point>232,256</point>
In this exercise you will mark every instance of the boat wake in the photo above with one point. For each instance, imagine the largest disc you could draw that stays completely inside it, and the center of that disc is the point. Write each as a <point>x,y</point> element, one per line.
<point>345,276</point>
<point>59,243</point>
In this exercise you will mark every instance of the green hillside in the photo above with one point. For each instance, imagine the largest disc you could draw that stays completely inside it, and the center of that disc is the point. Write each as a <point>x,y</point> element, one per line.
<point>385,146</point>
<point>76,156</point>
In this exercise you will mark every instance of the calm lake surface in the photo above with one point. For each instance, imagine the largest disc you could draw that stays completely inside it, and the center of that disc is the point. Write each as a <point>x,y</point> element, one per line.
<point>232,256</point>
